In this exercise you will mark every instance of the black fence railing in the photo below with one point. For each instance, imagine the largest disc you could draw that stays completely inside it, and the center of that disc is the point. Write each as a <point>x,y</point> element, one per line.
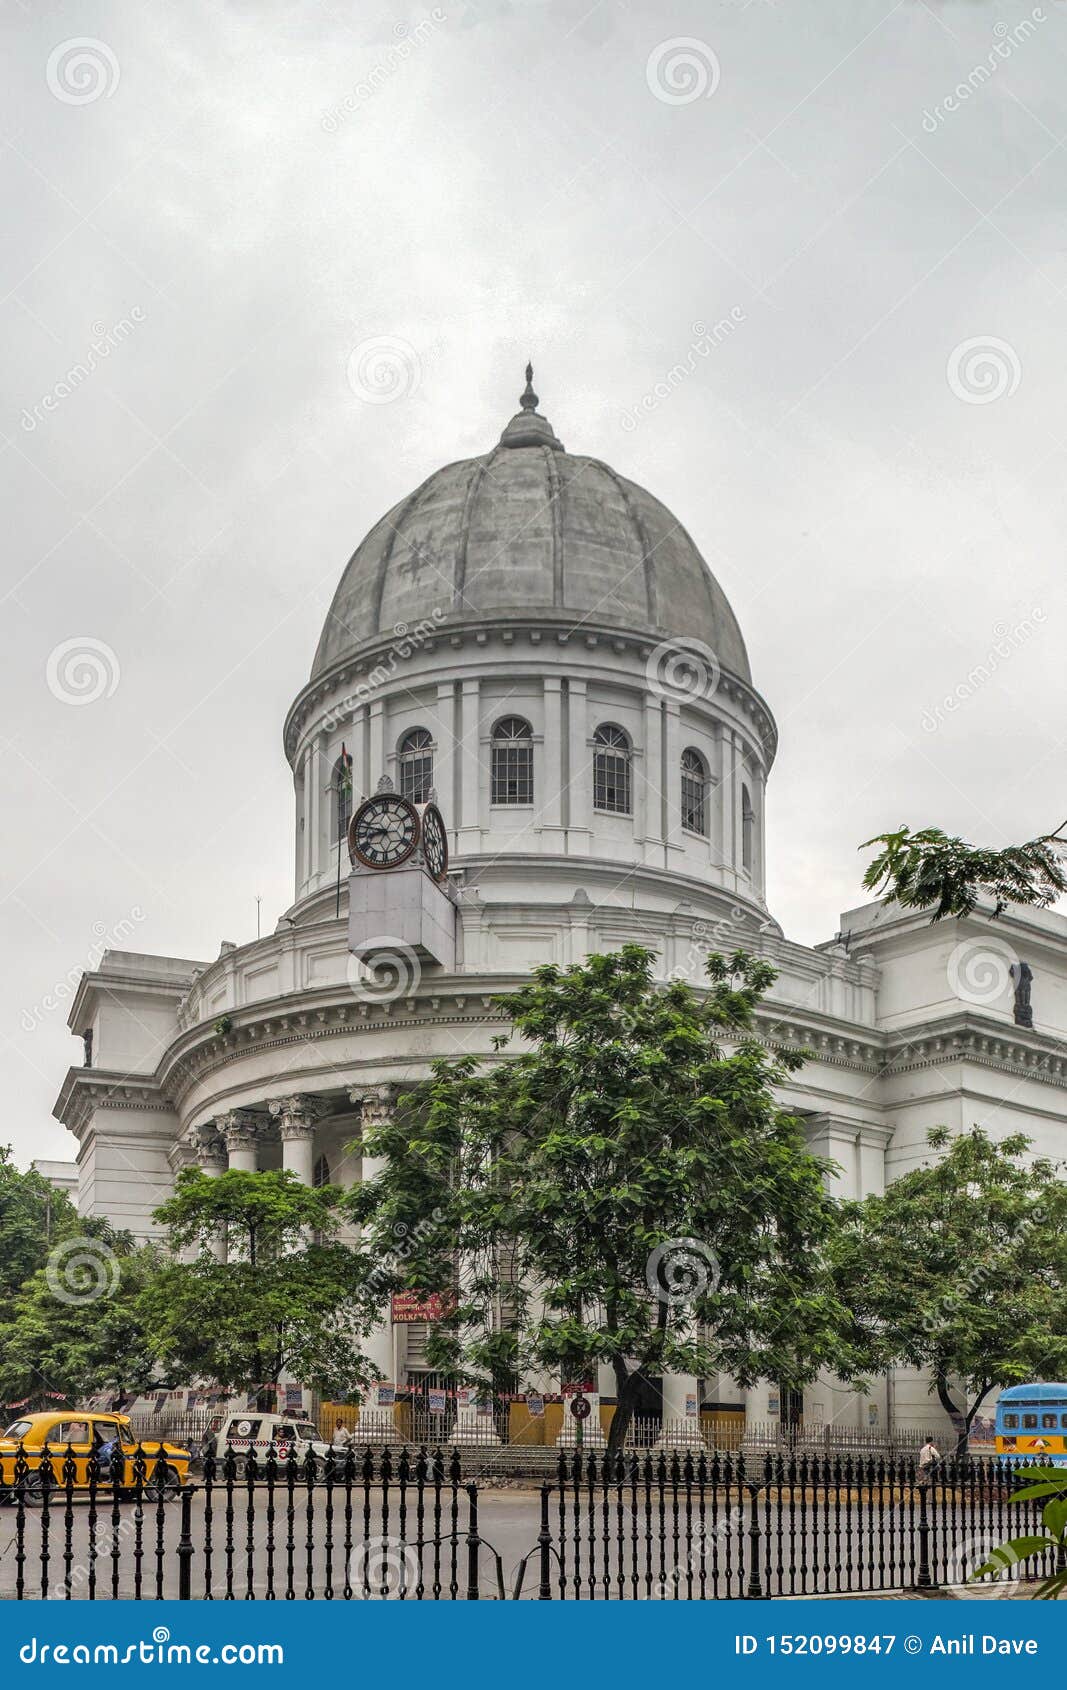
<point>370,1525</point>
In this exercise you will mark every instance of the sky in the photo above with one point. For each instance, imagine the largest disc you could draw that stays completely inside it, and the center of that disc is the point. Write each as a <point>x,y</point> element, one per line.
<point>239,218</point>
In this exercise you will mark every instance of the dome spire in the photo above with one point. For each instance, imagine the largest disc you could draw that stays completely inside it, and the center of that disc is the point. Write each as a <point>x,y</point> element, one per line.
<point>528,427</point>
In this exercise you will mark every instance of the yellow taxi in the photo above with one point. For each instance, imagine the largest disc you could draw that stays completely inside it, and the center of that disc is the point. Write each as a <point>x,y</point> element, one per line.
<point>46,1440</point>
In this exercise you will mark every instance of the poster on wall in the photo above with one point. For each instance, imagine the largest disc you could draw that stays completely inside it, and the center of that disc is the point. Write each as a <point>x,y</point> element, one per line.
<point>690,1405</point>
<point>294,1399</point>
<point>437,1402</point>
<point>535,1407</point>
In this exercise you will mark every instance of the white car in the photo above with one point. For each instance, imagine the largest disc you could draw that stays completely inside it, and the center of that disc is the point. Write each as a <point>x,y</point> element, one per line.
<point>258,1433</point>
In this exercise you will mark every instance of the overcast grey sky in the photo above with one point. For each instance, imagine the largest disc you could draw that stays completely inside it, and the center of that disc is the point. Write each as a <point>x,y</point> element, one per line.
<point>227,199</point>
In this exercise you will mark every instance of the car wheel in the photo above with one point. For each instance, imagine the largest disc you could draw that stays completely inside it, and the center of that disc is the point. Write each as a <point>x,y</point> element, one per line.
<point>33,1490</point>
<point>163,1486</point>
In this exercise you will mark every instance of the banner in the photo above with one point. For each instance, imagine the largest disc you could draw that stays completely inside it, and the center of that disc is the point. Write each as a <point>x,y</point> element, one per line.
<point>536,1407</point>
<point>426,1306</point>
<point>437,1401</point>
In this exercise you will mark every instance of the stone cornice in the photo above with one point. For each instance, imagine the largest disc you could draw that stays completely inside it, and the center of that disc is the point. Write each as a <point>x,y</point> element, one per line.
<point>87,1089</point>
<point>561,627</point>
<point>967,1038</point>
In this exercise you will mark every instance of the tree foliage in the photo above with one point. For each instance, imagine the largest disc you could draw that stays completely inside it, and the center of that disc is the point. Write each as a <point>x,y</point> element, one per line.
<point>33,1218</point>
<point>624,1188</point>
<point>289,1298</point>
<point>961,1269</point>
<point>928,869</point>
<point>62,1339</point>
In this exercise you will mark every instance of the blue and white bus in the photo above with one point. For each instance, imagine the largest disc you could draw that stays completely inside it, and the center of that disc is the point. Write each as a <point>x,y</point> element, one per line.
<point>1031,1424</point>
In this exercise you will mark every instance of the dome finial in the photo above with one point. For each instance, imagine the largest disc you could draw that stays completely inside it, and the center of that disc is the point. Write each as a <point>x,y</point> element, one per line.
<point>528,398</point>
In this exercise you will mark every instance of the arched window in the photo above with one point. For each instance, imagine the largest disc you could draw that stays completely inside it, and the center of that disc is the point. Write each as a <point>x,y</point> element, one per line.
<point>416,765</point>
<point>512,761</point>
<point>342,794</point>
<point>321,1175</point>
<point>611,770</point>
<point>694,791</point>
<point>748,829</point>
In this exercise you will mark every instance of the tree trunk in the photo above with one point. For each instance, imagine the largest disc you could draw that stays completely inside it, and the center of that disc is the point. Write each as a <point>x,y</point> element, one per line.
<point>627,1386</point>
<point>961,1422</point>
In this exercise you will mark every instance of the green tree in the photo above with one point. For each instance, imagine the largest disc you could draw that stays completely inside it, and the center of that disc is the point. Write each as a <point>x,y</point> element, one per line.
<point>929,869</point>
<point>961,1269</point>
<point>75,1326</point>
<point>290,1298</point>
<point>33,1217</point>
<point>623,1189</point>
<point>1047,1485</point>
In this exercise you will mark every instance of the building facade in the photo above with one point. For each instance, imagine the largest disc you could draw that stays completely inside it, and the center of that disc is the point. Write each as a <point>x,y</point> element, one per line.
<point>535,642</point>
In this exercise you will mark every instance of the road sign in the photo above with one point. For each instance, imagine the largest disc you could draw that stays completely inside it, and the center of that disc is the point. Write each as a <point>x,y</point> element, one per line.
<point>580,1408</point>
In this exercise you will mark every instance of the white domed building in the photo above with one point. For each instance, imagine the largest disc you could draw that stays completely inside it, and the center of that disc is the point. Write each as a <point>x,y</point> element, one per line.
<point>534,644</point>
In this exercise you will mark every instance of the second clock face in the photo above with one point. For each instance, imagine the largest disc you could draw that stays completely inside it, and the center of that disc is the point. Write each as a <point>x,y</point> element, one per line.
<point>384,831</point>
<point>434,841</point>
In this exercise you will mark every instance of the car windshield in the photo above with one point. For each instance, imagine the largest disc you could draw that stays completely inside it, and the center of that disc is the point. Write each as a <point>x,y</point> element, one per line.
<point>305,1429</point>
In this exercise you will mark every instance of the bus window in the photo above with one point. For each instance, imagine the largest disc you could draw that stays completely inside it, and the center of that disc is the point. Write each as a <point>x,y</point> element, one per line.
<point>1011,1421</point>
<point>1029,1422</point>
<point>1049,1422</point>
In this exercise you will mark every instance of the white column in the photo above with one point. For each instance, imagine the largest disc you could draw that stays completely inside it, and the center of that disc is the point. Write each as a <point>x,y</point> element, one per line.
<point>548,779</point>
<point>671,781</point>
<point>316,779</point>
<point>377,1422</point>
<point>648,821</point>
<point>240,1133</point>
<point>681,1413</point>
<point>579,771</point>
<point>296,1117</point>
<point>470,832</point>
<point>211,1156</point>
<point>378,753</point>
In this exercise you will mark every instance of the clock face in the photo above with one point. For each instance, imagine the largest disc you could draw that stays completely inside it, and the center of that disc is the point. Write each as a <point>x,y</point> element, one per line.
<point>384,831</point>
<point>434,841</point>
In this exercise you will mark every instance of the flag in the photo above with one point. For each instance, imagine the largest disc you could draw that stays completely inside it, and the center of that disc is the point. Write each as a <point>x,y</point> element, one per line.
<point>344,771</point>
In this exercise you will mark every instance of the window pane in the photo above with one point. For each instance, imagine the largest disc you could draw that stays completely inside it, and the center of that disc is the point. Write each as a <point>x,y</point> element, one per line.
<point>611,771</point>
<point>416,766</point>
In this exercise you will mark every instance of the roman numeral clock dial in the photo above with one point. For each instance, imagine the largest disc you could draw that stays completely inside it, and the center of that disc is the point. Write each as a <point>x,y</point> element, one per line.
<point>384,831</point>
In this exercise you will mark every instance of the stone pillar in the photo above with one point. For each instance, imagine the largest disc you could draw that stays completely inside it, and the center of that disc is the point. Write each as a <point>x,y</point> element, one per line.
<point>671,782</point>
<point>240,1133</point>
<point>648,785</point>
<point>470,831</point>
<point>549,778</point>
<point>377,1424</point>
<point>211,1159</point>
<point>579,771</point>
<point>296,1117</point>
<point>680,1428</point>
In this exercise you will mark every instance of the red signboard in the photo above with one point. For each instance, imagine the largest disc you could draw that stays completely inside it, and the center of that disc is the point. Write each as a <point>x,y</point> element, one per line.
<point>409,1306</point>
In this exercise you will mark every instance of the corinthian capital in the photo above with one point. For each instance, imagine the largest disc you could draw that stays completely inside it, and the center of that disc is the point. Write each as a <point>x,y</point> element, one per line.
<point>239,1128</point>
<point>377,1103</point>
<point>296,1115</point>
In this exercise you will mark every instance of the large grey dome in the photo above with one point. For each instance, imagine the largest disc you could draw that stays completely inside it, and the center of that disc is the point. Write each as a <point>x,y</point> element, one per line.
<point>530,527</point>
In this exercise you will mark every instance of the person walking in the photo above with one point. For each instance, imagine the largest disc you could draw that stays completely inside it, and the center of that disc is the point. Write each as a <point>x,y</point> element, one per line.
<point>929,1456</point>
<point>342,1437</point>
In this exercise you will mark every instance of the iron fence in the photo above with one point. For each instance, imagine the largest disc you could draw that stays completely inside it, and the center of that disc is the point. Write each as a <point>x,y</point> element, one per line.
<point>374,1525</point>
